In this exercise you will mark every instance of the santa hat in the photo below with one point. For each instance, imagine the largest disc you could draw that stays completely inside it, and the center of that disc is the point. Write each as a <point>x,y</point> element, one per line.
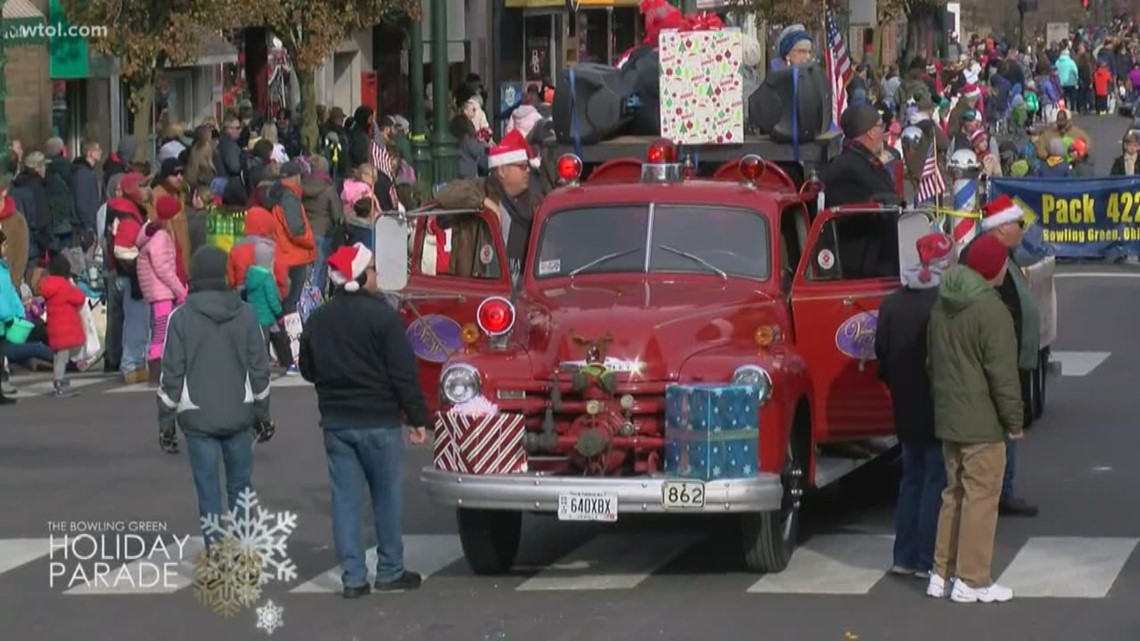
<point>513,150</point>
<point>971,90</point>
<point>1000,211</point>
<point>347,264</point>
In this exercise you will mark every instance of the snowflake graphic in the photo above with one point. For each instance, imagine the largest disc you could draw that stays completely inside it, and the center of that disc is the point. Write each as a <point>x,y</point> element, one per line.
<point>270,617</point>
<point>227,578</point>
<point>259,530</point>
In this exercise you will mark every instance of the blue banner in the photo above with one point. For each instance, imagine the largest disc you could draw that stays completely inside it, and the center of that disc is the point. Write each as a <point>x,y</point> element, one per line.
<point>1079,217</point>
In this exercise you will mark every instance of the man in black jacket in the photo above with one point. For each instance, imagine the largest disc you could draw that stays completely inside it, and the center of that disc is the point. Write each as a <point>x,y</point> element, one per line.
<point>857,175</point>
<point>356,353</point>
<point>900,348</point>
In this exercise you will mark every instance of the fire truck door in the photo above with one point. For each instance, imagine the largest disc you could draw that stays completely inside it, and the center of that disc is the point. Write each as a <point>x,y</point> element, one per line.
<point>455,263</point>
<point>850,265</point>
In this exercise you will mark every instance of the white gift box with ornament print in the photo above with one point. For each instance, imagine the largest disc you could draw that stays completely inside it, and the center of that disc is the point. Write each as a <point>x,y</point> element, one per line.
<point>702,91</point>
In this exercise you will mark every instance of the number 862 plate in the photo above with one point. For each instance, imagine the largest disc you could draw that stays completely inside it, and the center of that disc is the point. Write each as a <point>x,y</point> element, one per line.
<point>682,495</point>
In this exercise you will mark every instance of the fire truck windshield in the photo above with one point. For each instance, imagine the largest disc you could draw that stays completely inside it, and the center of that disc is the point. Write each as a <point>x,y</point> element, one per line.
<point>698,239</point>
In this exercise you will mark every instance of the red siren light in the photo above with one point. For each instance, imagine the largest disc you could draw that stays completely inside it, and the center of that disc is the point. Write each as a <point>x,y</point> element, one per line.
<point>662,152</point>
<point>569,168</point>
<point>751,168</point>
<point>496,316</point>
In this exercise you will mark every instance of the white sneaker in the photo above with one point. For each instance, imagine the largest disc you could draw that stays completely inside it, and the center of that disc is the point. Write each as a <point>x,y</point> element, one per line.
<point>936,587</point>
<point>901,570</point>
<point>993,593</point>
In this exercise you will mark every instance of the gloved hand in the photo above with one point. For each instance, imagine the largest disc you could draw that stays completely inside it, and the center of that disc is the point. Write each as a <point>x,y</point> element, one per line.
<point>168,441</point>
<point>264,430</point>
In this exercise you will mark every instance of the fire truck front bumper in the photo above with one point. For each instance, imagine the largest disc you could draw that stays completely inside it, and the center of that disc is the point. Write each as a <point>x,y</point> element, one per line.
<point>529,492</point>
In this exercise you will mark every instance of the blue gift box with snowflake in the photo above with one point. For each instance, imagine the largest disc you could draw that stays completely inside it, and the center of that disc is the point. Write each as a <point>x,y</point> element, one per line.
<point>712,431</point>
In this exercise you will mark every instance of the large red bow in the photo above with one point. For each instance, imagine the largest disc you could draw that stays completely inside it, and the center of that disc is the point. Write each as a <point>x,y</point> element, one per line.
<point>703,21</point>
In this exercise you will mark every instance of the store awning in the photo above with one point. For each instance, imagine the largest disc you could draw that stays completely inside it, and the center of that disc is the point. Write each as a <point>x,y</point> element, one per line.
<point>552,4</point>
<point>215,50</point>
<point>23,24</point>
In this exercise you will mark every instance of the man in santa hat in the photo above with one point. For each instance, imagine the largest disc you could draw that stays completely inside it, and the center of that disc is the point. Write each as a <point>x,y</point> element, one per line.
<point>507,192</point>
<point>1004,220</point>
<point>354,350</point>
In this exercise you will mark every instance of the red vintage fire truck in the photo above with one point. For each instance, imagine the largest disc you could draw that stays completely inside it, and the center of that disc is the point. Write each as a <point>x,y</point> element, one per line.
<point>641,277</point>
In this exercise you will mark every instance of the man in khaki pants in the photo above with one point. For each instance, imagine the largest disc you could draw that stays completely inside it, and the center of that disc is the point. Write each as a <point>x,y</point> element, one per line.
<point>977,407</point>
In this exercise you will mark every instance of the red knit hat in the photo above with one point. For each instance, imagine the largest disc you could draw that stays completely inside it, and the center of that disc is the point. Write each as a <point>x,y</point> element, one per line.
<point>934,250</point>
<point>130,184</point>
<point>167,207</point>
<point>987,256</point>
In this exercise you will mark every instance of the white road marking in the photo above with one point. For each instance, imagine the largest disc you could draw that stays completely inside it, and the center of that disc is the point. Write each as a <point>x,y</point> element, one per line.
<point>611,562</point>
<point>17,552</point>
<point>423,553</point>
<point>290,381</point>
<point>134,387</point>
<point>281,381</point>
<point>167,579</point>
<point>1067,567</point>
<point>832,564</point>
<point>44,388</point>
<point>1079,363</point>
<point>1096,275</point>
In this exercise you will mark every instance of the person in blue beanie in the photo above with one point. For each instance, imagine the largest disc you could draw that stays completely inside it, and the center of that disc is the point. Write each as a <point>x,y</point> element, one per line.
<point>794,47</point>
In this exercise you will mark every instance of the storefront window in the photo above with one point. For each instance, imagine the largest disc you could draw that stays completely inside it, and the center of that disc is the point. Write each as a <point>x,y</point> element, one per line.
<point>626,29</point>
<point>538,61</point>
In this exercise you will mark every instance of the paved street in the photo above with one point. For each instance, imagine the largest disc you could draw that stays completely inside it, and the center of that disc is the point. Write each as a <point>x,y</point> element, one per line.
<point>95,458</point>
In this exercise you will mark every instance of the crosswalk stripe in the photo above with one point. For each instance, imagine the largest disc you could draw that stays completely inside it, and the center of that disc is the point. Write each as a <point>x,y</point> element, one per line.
<point>283,381</point>
<point>1067,567</point>
<point>423,553</point>
<point>832,564</point>
<point>44,388</point>
<point>1079,363</point>
<point>611,562</point>
<point>17,552</point>
<point>121,580</point>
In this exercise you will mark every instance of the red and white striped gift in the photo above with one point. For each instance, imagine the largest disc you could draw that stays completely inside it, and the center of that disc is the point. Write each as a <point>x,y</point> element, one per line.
<point>485,444</point>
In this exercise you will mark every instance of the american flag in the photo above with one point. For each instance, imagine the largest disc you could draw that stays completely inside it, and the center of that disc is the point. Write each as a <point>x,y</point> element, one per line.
<point>839,69</point>
<point>930,185</point>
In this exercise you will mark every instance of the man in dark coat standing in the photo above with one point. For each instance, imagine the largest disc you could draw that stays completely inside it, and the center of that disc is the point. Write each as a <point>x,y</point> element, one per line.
<point>858,175</point>
<point>900,348</point>
<point>1004,219</point>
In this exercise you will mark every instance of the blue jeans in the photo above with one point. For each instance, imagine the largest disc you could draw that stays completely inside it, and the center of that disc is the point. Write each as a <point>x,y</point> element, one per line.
<point>26,351</point>
<point>920,501</point>
<point>320,269</point>
<point>235,453</point>
<point>136,328</point>
<point>373,456</point>
<point>1010,470</point>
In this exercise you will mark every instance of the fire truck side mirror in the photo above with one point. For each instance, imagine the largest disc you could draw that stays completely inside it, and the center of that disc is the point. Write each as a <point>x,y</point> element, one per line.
<point>391,253</point>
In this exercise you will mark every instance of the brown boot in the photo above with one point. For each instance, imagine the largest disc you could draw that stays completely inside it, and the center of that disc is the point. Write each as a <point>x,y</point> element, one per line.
<point>135,376</point>
<point>154,372</point>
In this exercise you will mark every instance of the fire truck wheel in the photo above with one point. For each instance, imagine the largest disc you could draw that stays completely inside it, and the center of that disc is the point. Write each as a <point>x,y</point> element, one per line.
<point>769,538</point>
<point>490,539</point>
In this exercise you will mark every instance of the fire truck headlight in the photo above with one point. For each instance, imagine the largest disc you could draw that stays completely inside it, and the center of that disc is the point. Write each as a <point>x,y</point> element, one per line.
<point>754,376</point>
<point>459,383</point>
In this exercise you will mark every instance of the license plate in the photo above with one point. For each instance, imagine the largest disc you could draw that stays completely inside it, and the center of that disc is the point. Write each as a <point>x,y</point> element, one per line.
<point>682,495</point>
<point>587,506</point>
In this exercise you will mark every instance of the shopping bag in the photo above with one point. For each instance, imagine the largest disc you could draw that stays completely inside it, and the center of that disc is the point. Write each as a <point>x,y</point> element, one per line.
<point>92,346</point>
<point>310,296</point>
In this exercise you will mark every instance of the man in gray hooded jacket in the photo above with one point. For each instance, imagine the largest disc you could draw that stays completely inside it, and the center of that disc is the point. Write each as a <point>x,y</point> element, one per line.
<point>215,383</point>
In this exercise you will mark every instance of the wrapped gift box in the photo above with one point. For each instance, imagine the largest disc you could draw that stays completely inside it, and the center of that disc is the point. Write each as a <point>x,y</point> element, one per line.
<point>702,91</point>
<point>712,431</point>
<point>480,444</point>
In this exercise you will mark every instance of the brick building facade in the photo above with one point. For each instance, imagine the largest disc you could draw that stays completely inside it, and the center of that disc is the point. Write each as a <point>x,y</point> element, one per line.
<point>28,101</point>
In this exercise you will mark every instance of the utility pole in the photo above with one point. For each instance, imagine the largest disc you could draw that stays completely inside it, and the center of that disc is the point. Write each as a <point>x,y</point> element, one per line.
<point>445,156</point>
<point>421,151</point>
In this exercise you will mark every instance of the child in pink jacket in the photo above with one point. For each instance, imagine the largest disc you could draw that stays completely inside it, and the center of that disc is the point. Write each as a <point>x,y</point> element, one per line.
<point>158,278</point>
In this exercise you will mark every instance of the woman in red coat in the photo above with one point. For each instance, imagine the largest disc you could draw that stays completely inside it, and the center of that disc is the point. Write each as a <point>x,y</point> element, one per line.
<point>64,325</point>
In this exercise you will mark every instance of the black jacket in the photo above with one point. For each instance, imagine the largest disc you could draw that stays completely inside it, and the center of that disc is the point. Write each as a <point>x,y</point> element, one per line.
<point>900,347</point>
<point>29,189</point>
<point>359,140</point>
<point>356,353</point>
<point>856,176</point>
<point>86,192</point>
<point>228,160</point>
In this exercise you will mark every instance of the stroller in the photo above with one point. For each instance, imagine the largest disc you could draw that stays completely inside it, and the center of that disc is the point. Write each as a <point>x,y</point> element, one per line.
<point>86,257</point>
